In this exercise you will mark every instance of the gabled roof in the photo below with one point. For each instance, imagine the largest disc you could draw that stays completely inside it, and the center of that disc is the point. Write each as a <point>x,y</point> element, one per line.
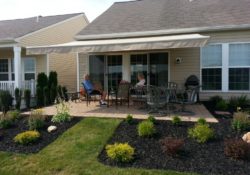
<point>171,15</point>
<point>12,29</point>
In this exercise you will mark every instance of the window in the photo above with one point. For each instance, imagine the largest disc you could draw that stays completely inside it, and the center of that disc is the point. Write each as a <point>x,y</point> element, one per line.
<point>212,67</point>
<point>239,66</point>
<point>4,70</point>
<point>29,69</point>
<point>139,64</point>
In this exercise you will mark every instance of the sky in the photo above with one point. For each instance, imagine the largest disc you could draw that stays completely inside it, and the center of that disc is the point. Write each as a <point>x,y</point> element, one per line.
<point>15,9</point>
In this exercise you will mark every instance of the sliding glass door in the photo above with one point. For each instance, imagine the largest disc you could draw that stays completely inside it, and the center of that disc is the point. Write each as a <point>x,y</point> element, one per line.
<point>158,68</point>
<point>114,71</point>
<point>154,67</point>
<point>106,70</point>
<point>97,69</point>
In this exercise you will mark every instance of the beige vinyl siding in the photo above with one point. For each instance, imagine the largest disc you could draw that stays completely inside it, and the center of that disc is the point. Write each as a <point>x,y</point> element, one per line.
<point>63,64</point>
<point>66,68</point>
<point>56,34</point>
<point>229,36</point>
<point>41,63</point>
<point>190,65</point>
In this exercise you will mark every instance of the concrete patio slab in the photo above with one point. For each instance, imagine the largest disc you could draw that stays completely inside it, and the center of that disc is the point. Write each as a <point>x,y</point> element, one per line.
<point>94,110</point>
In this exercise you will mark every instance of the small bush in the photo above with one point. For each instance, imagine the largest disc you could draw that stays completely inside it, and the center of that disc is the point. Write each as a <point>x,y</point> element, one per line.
<point>241,101</point>
<point>52,80</point>
<point>36,119</point>
<point>42,80</point>
<point>146,129</point>
<point>176,120</point>
<point>215,99</point>
<point>18,98</point>
<point>46,95</point>
<point>236,149</point>
<point>27,137</point>
<point>172,146</point>
<point>202,121</point>
<point>201,133</point>
<point>6,121</point>
<point>240,121</point>
<point>120,152</point>
<point>221,105</point>
<point>39,96</point>
<point>129,119</point>
<point>62,113</point>
<point>14,115</point>
<point>5,101</point>
<point>27,97</point>
<point>65,93</point>
<point>59,92</point>
<point>53,93</point>
<point>152,119</point>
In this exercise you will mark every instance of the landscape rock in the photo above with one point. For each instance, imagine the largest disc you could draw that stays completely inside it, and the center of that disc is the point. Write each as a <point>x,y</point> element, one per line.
<point>52,128</point>
<point>246,137</point>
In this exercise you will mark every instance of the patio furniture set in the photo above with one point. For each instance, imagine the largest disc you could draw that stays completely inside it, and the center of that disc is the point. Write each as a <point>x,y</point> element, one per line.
<point>159,100</point>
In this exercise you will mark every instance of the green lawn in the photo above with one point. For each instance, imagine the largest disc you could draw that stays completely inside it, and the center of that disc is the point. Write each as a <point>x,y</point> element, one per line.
<point>75,152</point>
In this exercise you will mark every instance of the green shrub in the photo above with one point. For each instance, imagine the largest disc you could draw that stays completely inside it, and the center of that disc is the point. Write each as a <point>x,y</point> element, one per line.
<point>59,91</point>
<point>215,99</point>
<point>120,152</point>
<point>129,119</point>
<point>201,133</point>
<point>62,113</point>
<point>27,137</point>
<point>52,80</point>
<point>46,95</point>
<point>241,101</point>
<point>36,119</point>
<point>53,93</point>
<point>65,93</point>
<point>221,105</point>
<point>27,97</point>
<point>240,121</point>
<point>176,120</point>
<point>18,98</point>
<point>201,121</point>
<point>13,115</point>
<point>146,129</point>
<point>5,101</point>
<point>42,80</point>
<point>39,96</point>
<point>151,119</point>
<point>6,121</point>
<point>237,149</point>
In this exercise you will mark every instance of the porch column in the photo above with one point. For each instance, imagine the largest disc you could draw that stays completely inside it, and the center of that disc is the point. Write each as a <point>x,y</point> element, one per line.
<point>17,66</point>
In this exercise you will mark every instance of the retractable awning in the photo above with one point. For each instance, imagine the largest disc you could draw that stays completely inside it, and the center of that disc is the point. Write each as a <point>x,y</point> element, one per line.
<point>124,44</point>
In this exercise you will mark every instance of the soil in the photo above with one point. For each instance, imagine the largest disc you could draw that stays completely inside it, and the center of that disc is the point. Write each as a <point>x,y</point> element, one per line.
<point>205,158</point>
<point>8,145</point>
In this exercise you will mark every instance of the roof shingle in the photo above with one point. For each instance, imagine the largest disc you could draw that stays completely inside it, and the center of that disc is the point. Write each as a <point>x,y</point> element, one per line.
<point>12,29</point>
<point>152,15</point>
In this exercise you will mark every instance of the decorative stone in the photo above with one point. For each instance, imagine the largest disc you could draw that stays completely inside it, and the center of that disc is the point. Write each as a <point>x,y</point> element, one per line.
<point>52,128</point>
<point>246,137</point>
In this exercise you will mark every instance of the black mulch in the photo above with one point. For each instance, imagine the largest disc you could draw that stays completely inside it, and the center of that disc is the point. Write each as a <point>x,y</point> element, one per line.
<point>8,145</point>
<point>197,158</point>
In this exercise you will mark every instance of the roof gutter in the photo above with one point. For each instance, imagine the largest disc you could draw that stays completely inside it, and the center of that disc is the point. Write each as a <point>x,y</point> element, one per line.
<point>7,40</point>
<point>162,32</point>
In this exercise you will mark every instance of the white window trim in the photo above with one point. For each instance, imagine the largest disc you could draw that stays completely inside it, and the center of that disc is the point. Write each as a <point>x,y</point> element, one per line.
<point>24,72</point>
<point>225,68</point>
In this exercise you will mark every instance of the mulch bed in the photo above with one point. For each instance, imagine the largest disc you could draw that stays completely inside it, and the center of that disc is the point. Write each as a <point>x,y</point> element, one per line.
<point>8,145</point>
<point>206,158</point>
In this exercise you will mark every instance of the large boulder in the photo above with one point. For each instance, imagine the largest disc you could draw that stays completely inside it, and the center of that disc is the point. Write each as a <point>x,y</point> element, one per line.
<point>246,137</point>
<point>52,128</point>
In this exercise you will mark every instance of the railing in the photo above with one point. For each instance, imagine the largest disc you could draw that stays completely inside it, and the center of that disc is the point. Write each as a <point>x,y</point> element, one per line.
<point>10,86</point>
<point>31,85</point>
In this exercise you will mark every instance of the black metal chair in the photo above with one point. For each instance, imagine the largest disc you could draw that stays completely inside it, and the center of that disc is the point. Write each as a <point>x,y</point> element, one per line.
<point>121,95</point>
<point>156,99</point>
<point>91,97</point>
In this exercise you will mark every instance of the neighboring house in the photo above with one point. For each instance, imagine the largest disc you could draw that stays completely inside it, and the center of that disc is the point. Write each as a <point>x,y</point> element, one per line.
<point>167,40</point>
<point>17,69</point>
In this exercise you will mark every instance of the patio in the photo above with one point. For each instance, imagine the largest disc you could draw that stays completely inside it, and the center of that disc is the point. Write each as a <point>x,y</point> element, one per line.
<point>94,110</point>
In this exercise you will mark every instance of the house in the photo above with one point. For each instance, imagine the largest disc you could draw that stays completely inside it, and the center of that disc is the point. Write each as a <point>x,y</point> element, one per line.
<point>167,40</point>
<point>19,70</point>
